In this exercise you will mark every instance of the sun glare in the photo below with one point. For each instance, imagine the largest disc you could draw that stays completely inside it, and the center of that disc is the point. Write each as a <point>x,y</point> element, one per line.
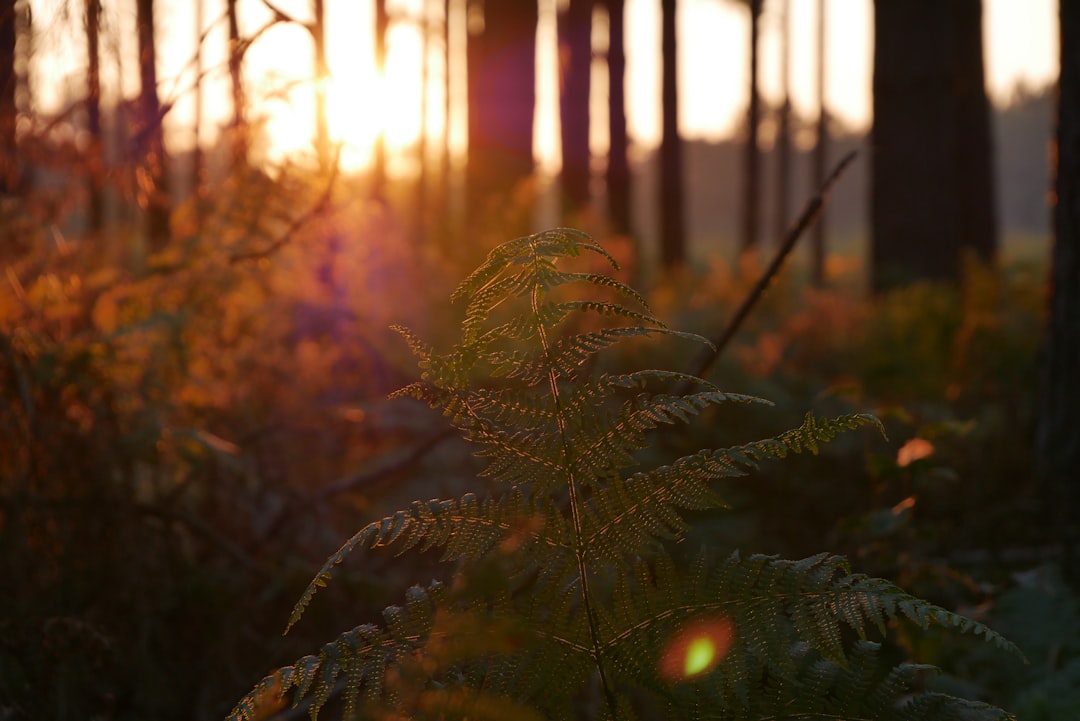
<point>696,648</point>
<point>360,105</point>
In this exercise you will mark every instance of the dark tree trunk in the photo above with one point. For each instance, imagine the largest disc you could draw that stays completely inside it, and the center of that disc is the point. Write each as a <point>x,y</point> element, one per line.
<point>9,171</point>
<point>198,163</point>
<point>322,74</point>
<point>821,150</point>
<point>236,64</point>
<point>575,65</point>
<point>502,97</point>
<point>672,223</point>
<point>977,195</point>
<point>932,189</point>
<point>153,185</point>
<point>448,106</point>
<point>1058,437</point>
<point>95,168</point>
<point>618,165</point>
<point>751,199</point>
<point>378,169</point>
<point>783,130</point>
<point>421,215</point>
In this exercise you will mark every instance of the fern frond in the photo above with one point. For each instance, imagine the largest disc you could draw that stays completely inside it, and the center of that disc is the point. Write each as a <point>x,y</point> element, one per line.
<point>819,595</point>
<point>558,242</point>
<point>633,515</point>
<point>361,656</point>
<point>563,578</point>
<point>468,528</point>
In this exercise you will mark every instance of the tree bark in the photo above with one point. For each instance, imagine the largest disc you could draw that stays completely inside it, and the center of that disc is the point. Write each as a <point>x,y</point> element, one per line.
<point>9,170</point>
<point>932,192</point>
<point>821,150</point>
<point>322,75</point>
<point>672,222</point>
<point>95,169</point>
<point>751,199</point>
<point>198,160</point>
<point>378,163</point>
<point>239,139</point>
<point>575,65</point>
<point>153,185</point>
<point>501,61</point>
<point>783,129</point>
<point>618,165</point>
<point>1058,432</point>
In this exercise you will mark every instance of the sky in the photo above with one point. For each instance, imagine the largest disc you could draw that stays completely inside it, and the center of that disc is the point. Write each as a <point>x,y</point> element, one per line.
<point>1020,38</point>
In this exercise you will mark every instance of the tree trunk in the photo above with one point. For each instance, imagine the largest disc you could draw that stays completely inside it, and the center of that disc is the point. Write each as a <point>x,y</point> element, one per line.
<point>618,165</point>
<point>751,200</point>
<point>95,169</point>
<point>9,169</point>
<point>378,163</point>
<point>421,214</point>
<point>322,75</point>
<point>672,223</point>
<point>198,161</point>
<point>1058,433</point>
<point>575,65</point>
<point>977,195</point>
<point>502,97</point>
<point>153,185</point>
<point>783,129</point>
<point>236,63</point>
<point>821,149</point>
<point>932,189</point>
<point>445,170</point>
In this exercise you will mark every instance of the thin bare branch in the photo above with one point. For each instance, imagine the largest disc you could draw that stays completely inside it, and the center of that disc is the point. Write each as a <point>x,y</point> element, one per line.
<point>708,356</point>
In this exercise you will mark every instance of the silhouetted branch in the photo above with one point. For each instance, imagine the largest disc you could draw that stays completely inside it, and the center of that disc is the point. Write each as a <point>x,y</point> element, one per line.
<point>708,356</point>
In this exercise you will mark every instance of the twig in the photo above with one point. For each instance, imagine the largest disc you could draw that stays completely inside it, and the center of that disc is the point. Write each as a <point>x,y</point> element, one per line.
<point>707,357</point>
<point>315,210</point>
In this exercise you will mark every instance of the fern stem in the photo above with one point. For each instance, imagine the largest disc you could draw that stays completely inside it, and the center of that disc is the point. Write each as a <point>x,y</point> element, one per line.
<point>575,515</point>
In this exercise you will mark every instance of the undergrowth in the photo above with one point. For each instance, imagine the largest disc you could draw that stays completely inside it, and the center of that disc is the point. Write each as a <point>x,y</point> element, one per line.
<point>562,596</point>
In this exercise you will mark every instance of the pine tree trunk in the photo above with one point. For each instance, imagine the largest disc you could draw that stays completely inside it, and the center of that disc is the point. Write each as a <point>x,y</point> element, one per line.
<point>783,130</point>
<point>672,222</point>
<point>821,149</point>
<point>502,97</point>
<point>575,64</point>
<point>378,169</point>
<point>1058,436</point>
<point>932,189</point>
<point>198,161</point>
<point>9,173</point>
<point>977,195</point>
<point>95,169</point>
<point>751,200</point>
<point>236,64</point>
<point>322,74</point>
<point>618,165</point>
<point>153,185</point>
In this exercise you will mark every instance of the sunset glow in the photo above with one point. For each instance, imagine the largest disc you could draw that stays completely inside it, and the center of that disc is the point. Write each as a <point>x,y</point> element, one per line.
<point>1020,46</point>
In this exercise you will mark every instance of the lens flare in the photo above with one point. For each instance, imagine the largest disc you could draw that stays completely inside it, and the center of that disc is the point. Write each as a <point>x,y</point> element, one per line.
<point>696,648</point>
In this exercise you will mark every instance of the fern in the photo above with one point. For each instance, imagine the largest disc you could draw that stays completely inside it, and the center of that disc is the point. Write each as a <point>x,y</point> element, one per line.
<point>587,608</point>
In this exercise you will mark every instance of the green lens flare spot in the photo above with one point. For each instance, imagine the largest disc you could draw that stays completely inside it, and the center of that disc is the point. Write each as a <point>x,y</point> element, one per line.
<point>700,655</point>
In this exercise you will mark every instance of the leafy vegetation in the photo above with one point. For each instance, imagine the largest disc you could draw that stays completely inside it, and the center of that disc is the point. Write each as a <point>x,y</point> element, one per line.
<point>564,560</point>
